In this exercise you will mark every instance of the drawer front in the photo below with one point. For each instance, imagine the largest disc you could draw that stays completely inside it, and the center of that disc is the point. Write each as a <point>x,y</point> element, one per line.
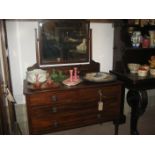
<point>89,94</point>
<point>69,121</point>
<point>53,110</point>
<point>61,122</point>
<point>52,98</point>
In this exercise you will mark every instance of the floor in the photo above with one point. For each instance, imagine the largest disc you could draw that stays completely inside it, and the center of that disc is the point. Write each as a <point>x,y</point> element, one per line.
<point>146,125</point>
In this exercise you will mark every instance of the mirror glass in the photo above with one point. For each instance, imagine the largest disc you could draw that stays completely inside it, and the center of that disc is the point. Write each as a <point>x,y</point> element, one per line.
<point>63,42</point>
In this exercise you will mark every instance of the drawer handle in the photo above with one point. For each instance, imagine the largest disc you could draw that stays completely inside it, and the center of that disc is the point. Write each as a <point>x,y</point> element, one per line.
<point>101,94</point>
<point>54,109</point>
<point>54,98</point>
<point>100,102</point>
<point>56,124</point>
<point>98,116</point>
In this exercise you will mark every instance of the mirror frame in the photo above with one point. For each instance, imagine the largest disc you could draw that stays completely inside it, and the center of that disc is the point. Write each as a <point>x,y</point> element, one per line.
<point>39,44</point>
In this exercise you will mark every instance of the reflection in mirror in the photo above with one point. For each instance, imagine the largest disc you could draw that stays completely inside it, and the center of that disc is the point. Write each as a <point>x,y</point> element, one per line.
<point>63,42</point>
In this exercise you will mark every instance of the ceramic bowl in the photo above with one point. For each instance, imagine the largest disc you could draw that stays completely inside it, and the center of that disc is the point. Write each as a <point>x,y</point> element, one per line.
<point>152,71</point>
<point>133,67</point>
<point>142,72</point>
<point>36,74</point>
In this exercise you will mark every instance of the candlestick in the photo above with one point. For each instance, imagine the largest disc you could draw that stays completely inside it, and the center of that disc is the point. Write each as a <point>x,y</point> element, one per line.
<point>75,73</point>
<point>71,75</point>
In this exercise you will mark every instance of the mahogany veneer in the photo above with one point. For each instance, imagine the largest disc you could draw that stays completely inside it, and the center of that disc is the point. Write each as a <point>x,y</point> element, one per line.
<point>71,107</point>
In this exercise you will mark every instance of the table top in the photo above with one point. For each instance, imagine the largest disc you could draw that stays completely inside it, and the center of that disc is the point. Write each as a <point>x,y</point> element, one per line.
<point>133,81</point>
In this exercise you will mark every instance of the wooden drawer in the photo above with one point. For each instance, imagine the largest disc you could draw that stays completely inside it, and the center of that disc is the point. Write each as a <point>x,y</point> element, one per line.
<point>71,120</point>
<point>94,93</point>
<point>52,110</point>
<point>52,98</point>
<point>88,94</point>
<point>65,121</point>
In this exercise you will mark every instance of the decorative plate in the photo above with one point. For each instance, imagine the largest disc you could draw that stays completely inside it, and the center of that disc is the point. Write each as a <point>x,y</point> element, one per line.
<point>35,75</point>
<point>99,77</point>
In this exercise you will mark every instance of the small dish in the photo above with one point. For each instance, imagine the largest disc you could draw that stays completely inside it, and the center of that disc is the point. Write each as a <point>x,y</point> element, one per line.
<point>133,67</point>
<point>142,72</point>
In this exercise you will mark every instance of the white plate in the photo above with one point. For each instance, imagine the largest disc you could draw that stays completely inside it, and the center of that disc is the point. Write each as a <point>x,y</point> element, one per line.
<point>99,77</point>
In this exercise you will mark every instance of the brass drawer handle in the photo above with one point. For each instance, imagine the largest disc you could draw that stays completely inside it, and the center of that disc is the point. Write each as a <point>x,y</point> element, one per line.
<point>101,94</point>
<point>54,98</point>
<point>54,109</point>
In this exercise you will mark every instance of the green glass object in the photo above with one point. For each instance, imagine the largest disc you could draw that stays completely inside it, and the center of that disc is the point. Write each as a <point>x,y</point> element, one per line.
<point>61,76</point>
<point>58,76</point>
<point>54,76</point>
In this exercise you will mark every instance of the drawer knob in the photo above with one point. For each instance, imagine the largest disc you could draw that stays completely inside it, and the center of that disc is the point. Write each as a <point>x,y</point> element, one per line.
<point>98,116</point>
<point>56,124</point>
<point>54,98</point>
<point>54,109</point>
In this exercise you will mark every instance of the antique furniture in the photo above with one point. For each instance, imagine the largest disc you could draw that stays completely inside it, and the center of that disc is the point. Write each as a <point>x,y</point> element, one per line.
<point>65,107</point>
<point>125,51</point>
<point>59,107</point>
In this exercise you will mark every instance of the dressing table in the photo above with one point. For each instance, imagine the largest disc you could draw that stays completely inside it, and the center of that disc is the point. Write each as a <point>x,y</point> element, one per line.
<point>72,107</point>
<point>63,107</point>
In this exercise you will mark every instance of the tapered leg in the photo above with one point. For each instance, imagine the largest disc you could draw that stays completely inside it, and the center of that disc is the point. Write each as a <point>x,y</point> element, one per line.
<point>138,101</point>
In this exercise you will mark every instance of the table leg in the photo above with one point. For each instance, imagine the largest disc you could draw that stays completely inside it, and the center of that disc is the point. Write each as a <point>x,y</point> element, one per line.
<point>116,129</point>
<point>138,101</point>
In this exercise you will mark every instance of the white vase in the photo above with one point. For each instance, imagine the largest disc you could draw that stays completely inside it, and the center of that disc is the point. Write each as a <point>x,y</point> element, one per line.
<point>136,38</point>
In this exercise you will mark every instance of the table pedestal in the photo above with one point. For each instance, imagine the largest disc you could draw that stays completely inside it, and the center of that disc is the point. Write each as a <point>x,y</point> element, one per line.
<point>138,101</point>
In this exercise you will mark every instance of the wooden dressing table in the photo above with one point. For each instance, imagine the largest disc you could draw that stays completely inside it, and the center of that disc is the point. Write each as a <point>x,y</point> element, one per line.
<point>65,107</point>
<point>62,45</point>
